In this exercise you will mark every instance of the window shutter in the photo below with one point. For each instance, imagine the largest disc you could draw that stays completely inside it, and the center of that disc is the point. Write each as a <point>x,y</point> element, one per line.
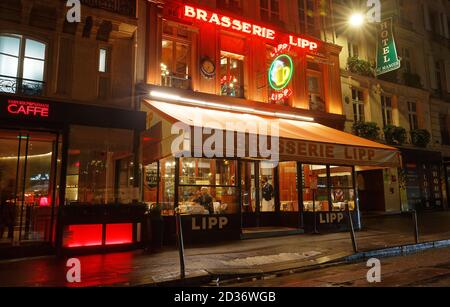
<point>426,17</point>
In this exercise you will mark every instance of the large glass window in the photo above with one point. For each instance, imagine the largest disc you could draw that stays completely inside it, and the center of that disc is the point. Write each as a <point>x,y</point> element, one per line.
<point>22,65</point>
<point>167,186</point>
<point>208,187</point>
<point>175,58</point>
<point>306,9</point>
<point>315,188</point>
<point>267,187</point>
<point>288,187</point>
<point>100,166</point>
<point>232,75</point>
<point>342,188</point>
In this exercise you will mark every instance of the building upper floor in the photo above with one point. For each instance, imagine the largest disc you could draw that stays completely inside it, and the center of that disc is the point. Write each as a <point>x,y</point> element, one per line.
<point>258,52</point>
<point>91,61</point>
<point>421,35</point>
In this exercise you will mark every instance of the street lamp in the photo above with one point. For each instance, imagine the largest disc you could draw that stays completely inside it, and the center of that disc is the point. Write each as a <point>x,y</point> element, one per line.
<point>356,20</point>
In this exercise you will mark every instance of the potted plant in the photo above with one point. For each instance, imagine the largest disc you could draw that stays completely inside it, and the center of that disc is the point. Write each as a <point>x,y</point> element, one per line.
<point>395,135</point>
<point>366,130</point>
<point>420,138</point>
<point>358,66</point>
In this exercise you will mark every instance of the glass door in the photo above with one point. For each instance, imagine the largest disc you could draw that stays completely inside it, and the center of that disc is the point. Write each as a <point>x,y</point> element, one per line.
<point>28,172</point>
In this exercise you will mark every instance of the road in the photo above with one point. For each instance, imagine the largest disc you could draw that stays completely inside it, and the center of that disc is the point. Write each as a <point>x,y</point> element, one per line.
<point>426,269</point>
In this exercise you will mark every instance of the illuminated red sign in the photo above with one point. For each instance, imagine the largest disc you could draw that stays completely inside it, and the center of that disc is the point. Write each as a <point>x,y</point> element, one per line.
<point>27,108</point>
<point>223,21</point>
<point>302,43</point>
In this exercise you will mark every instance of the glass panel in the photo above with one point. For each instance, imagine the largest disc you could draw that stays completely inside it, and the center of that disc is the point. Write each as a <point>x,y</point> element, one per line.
<point>248,187</point>
<point>208,172</point>
<point>341,176</point>
<point>182,55</point>
<point>267,190</point>
<point>319,197</point>
<point>98,158</point>
<point>34,49</point>
<point>150,183</point>
<point>208,200</point>
<point>33,69</point>
<point>9,145</point>
<point>10,45</point>
<point>231,75</point>
<point>38,196</point>
<point>8,65</point>
<point>288,187</point>
<point>166,62</point>
<point>167,186</point>
<point>102,60</point>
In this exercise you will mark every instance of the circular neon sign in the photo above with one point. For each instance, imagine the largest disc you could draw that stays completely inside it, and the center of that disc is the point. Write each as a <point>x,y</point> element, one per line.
<point>280,72</point>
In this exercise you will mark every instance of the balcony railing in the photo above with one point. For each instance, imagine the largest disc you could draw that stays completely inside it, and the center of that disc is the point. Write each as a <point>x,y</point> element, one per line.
<point>122,7</point>
<point>180,82</point>
<point>21,86</point>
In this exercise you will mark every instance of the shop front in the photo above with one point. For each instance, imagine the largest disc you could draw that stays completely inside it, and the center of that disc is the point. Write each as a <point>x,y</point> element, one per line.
<point>58,160</point>
<point>423,177</point>
<point>232,174</point>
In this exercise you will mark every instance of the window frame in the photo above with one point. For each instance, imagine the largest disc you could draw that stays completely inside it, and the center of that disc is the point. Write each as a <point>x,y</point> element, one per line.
<point>358,116</point>
<point>21,60</point>
<point>385,110</point>
<point>413,117</point>
<point>269,11</point>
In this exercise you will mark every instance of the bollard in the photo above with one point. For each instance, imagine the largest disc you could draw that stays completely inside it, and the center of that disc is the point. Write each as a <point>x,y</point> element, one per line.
<point>180,244</point>
<point>416,226</point>
<point>352,228</point>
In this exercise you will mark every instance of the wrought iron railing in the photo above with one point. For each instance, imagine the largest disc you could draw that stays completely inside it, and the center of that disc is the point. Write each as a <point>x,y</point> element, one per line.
<point>122,7</point>
<point>21,86</point>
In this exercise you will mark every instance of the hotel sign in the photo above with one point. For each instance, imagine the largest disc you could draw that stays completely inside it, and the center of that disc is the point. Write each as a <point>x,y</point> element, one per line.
<point>387,57</point>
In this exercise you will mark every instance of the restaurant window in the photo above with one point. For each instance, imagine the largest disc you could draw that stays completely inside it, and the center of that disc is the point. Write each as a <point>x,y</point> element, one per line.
<point>175,57</point>
<point>208,187</point>
<point>412,116</point>
<point>151,181</point>
<point>100,166</point>
<point>270,10</point>
<point>306,9</point>
<point>358,105</point>
<point>342,188</point>
<point>231,75</point>
<point>22,65</point>
<point>288,187</point>
<point>167,186</point>
<point>315,198</point>
<point>386,109</point>
<point>267,187</point>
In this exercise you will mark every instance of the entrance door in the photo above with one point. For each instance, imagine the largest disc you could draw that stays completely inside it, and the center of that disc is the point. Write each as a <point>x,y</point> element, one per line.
<point>28,171</point>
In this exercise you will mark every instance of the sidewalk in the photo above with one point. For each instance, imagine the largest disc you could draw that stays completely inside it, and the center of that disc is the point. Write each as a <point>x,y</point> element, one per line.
<point>227,259</point>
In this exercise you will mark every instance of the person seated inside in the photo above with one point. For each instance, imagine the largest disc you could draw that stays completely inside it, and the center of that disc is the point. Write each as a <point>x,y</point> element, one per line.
<point>205,200</point>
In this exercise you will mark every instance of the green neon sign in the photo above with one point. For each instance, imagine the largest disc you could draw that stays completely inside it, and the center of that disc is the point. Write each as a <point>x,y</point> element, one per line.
<point>280,72</point>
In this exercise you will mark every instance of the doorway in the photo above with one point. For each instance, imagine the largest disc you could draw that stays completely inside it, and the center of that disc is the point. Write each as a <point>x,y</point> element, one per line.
<point>29,172</point>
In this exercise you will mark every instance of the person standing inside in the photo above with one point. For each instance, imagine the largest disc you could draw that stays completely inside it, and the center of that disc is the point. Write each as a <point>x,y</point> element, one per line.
<point>267,202</point>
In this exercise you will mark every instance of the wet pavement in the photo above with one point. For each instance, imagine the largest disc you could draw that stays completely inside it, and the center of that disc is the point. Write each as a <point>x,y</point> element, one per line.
<point>232,258</point>
<point>426,269</point>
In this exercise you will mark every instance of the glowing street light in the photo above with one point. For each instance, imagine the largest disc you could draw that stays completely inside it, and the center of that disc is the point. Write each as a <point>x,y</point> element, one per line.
<point>356,20</point>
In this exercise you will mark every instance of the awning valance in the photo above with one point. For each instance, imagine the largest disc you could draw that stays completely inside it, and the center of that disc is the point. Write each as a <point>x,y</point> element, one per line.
<point>303,141</point>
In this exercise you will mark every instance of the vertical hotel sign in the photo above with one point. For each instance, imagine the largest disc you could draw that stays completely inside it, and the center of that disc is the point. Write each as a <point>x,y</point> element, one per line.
<point>387,57</point>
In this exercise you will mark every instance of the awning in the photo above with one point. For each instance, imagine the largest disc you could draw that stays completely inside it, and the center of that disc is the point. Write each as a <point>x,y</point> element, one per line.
<point>303,141</point>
